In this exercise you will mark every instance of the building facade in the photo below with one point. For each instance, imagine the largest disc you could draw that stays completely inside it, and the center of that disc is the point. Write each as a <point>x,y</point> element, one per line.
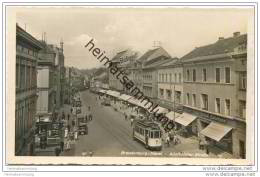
<point>27,48</point>
<point>215,92</point>
<point>170,85</point>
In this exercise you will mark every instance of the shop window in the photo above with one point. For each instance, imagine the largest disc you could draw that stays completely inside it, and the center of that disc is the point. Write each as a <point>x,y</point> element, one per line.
<point>204,102</point>
<point>169,94</point>
<point>161,92</point>
<point>227,75</point>
<point>217,75</point>
<point>187,98</point>
<point>217,105</point>
<point>177,97</point>
<point>227,107</point>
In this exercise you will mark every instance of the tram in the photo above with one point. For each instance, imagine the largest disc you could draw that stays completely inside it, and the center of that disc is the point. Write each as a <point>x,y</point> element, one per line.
<point>148,133</point>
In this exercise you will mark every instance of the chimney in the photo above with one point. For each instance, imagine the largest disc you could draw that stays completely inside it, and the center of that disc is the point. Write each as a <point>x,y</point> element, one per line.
<point>220,38</point>
<point>236,34</point>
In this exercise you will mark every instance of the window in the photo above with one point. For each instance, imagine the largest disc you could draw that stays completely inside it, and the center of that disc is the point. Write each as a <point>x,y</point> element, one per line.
<point>161,92</point>
<point>227,75</point>
<point>188,75</point>
<point>179,77</point>
<point>187,98</point>
<point>17,75</point>
<point>204,105</point>
<point>217,106</point>
<point>166,78</point>
<point>194,100</point>
<point>175,77</point>
<point>194,75</point>
<point>242,108</point>
<point>204,75</point>
<point>243,80</point>
<point>162,77</point>
<point>171,77</point>
<point>227,107</point>
<point>22,76</point>
<point>177,97</point>
<point>217,75</point>
<point>169,94</point>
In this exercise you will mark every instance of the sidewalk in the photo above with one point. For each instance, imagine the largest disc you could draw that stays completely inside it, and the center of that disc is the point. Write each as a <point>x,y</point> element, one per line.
<point>187,146</point>
<point>50,150</point>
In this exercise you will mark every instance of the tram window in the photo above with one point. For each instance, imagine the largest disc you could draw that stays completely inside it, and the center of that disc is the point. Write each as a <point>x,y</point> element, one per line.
<point>151,135</point>
<point>156,134</point>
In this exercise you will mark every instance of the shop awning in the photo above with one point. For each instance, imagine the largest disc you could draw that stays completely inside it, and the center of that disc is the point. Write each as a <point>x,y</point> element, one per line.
<point>134,101</point>
<point>216,131</point>
<point>160,110</point>
<point>185,119</point>
<point>102,91</point>
<point>125,97</point>
<point>113,93</point>
<point>171,115</point>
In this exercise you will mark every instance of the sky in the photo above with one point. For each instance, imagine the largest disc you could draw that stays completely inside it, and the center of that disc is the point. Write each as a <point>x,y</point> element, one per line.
<point>179,30</point>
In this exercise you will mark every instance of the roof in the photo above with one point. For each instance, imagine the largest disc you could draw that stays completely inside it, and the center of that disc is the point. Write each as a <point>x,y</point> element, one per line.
<point>124,55</point>
<point>220,47</point>
<point>172,62</point>
<point>22,34</point>
<point>156,62</point>
<point>153,53</point>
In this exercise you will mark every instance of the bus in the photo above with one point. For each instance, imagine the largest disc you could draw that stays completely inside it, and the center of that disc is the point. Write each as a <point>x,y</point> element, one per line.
<point>148,133</point>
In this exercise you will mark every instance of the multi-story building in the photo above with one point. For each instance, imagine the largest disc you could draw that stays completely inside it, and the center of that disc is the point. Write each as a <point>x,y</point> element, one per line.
<point>215,92</point>
<point>27,48</point>
<point>149,63</point>
<point>45,80</point>
<point>59,76</point>
<point>170,85</point>
<point>123,60</point>
<point>150,77</point>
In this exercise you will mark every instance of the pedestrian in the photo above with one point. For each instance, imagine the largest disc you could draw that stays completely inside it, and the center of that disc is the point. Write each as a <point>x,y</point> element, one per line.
<point>75,135</point>
<point>132,121</point>
<point>86,118</point>
<point>73,123</point>
<point>66,133</point>
<point>57,151</point>
<point>63,116</point>
<point>207,149</point>
<point>89,108</point>
<point>68,128</point>
<point>71,110</point>
<point>90,117</point>
<point>68,144</point>
<point>61,146</point>
<point>68,117</point>
<point>125,116</point>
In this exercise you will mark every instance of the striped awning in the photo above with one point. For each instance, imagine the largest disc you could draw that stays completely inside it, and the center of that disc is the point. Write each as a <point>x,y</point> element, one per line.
<point>216,131</point>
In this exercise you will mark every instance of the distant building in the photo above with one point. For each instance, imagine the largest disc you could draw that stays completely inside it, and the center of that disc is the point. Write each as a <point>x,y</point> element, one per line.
<point>215,92</point>
<point>45,80</point>
<point>122,60</point>
<point>27,48</point>
<point>59,76</point>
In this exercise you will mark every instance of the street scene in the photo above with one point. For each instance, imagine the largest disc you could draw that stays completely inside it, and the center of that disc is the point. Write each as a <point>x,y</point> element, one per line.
<point>98,91</point>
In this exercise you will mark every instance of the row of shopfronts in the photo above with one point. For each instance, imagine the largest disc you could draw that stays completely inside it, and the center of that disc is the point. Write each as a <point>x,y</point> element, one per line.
<point>219,133</point>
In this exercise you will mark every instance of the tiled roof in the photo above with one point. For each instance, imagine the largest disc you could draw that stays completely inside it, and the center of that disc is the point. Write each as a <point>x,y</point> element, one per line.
<point>172,61</point>
<point>157,62</point>
<point>220,47</point>
<point>153,53</point>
